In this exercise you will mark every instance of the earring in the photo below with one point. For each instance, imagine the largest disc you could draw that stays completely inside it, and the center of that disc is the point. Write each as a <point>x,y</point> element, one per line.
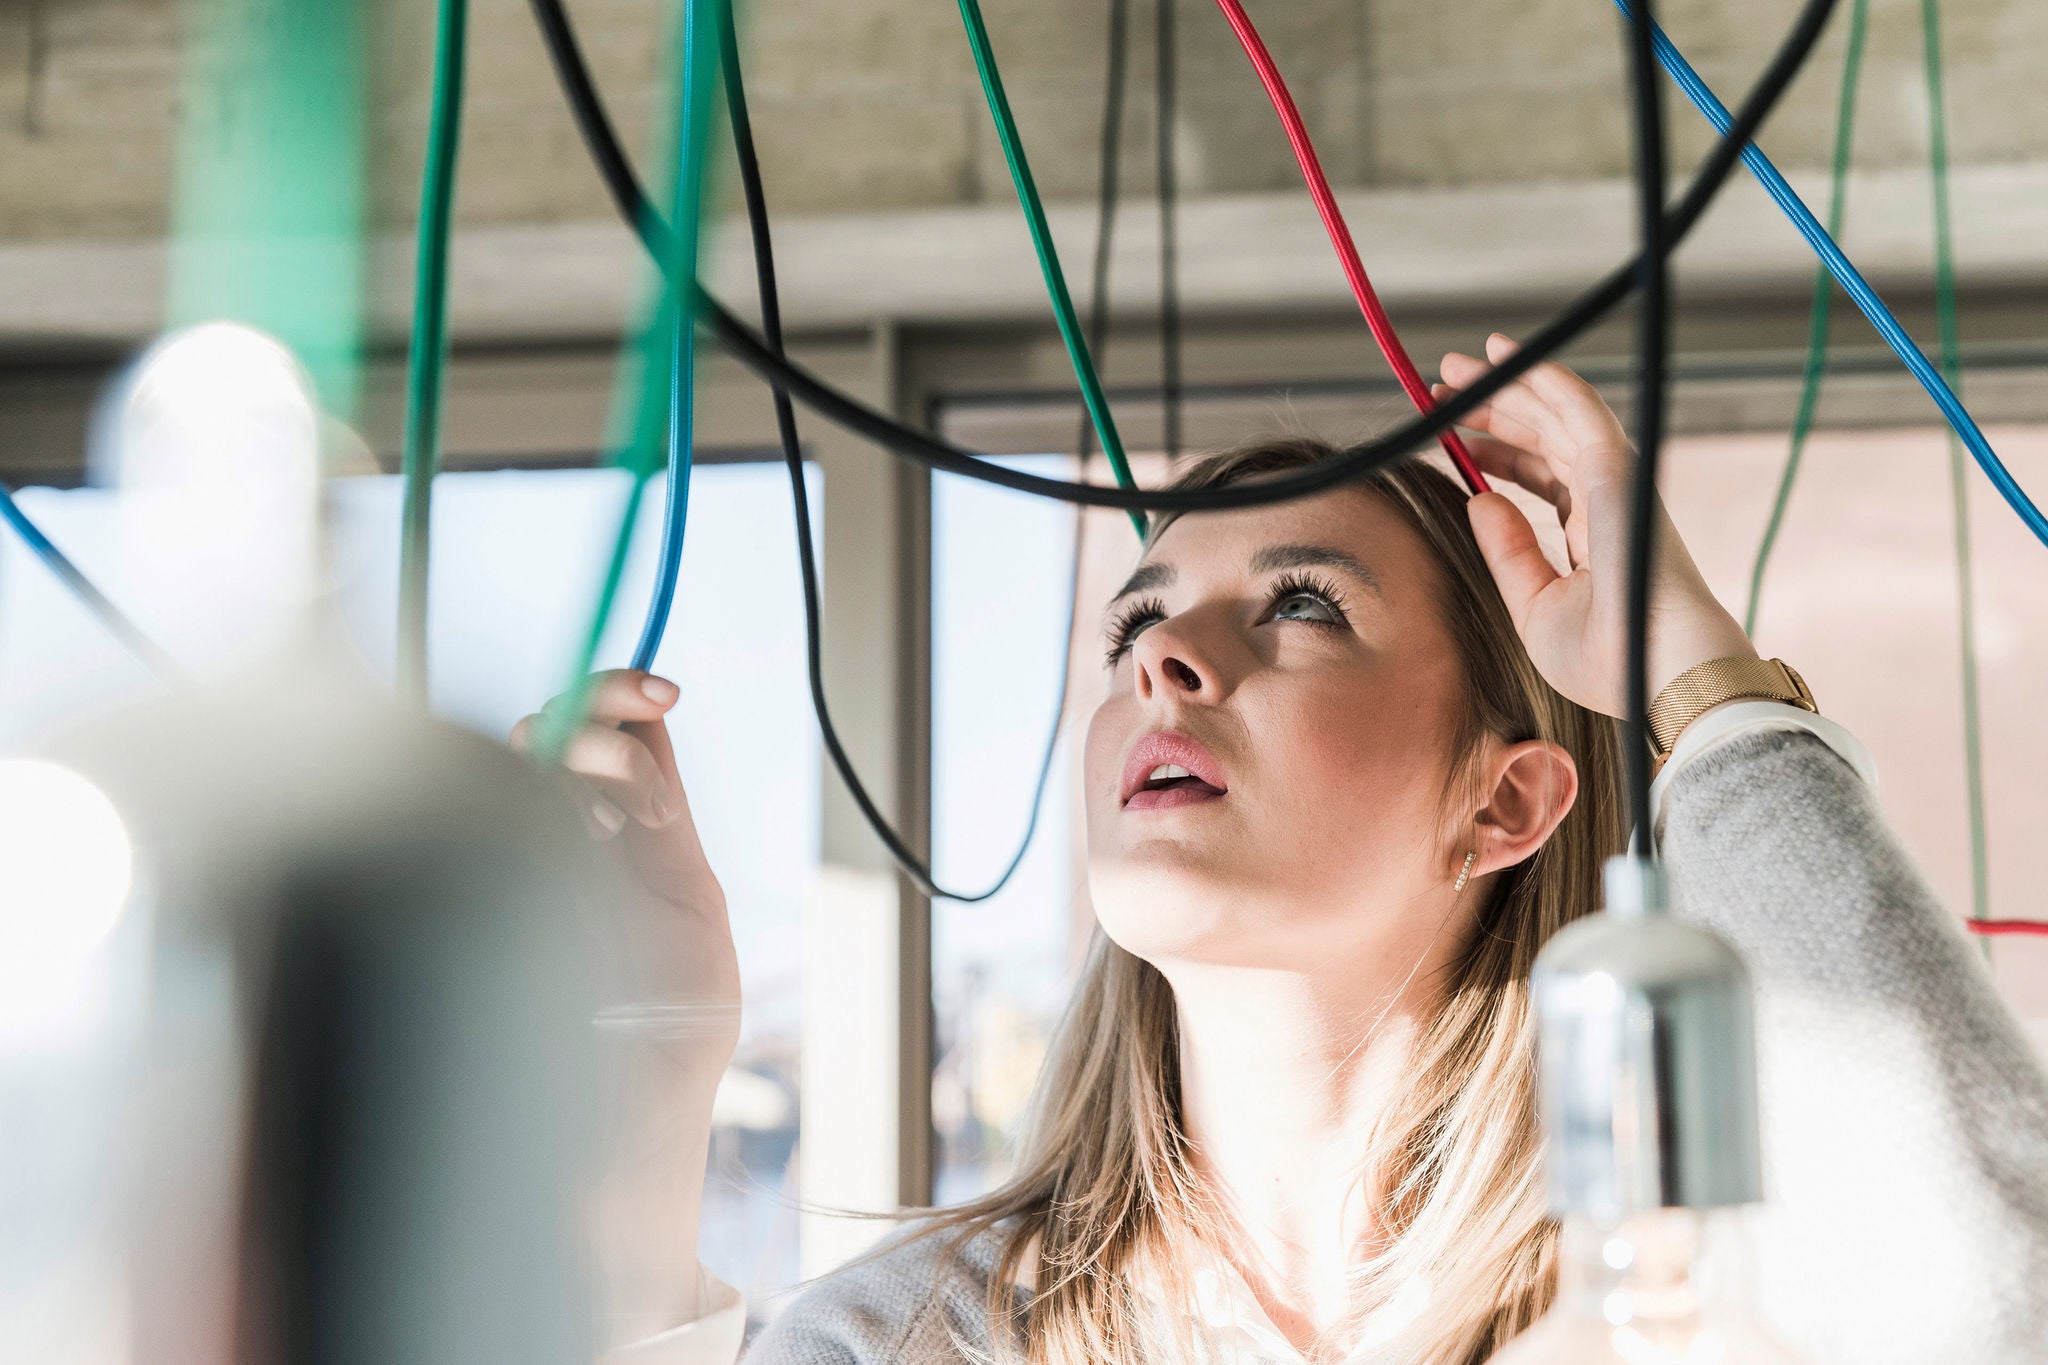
<point>1465,872</point>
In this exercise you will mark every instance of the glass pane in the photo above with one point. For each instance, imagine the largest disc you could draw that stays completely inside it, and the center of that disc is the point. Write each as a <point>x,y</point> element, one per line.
<point>517,558</point>
<point>1002,575</point>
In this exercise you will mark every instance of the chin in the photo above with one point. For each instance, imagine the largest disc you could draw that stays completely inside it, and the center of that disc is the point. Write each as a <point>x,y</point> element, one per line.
<point>1161,904</point>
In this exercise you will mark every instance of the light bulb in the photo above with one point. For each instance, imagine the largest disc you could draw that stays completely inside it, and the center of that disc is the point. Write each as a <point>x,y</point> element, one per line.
<point>1667,1287</point>
<point>1648,1090</point>
<point>214,436</point>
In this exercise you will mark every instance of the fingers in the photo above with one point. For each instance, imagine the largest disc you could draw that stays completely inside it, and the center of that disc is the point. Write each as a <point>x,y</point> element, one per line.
<point>623,694</point>
<point>1508,542</point>
<point>622,751</point>
<point>1528,468</point>
<point>623,771</point>
<point>1592,432</point>
<point>1515,414</point>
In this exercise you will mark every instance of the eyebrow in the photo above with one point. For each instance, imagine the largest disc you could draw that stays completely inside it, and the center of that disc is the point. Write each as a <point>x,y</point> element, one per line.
<point>1272,559</point>
<point>1277,557</point>
<point>1148,577</point>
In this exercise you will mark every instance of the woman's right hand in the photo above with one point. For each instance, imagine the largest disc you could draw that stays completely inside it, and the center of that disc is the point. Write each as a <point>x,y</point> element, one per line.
<point>632,798</point>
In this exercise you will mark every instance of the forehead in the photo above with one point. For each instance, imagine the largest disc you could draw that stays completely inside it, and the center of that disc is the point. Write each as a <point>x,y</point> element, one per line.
<point>1354,520</point>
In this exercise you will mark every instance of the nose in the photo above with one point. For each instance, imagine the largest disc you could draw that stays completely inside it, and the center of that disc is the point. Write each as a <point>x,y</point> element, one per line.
<point>1169,660</point>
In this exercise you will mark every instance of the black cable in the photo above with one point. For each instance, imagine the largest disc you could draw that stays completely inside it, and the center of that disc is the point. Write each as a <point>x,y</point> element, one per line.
<point>1117,59</point>
<point>1166,97</point>
<point>1653,359</point>
<point>793,457</point>
<point>750,350</point>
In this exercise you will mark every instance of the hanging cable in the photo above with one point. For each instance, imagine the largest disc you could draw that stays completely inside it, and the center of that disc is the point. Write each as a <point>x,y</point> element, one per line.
<point>1166,94</point>
<point>1116,62</point>
<point>1858,290</point>
<point>1959,488</point>
<point>665,404</point>
<point>747,347</point>
<point>426,367</point>
<point>692,128</point>
<point>1996,928</point>
<point>96,602</point>
<point>1048,254</point>
<point>792,454</point>
<point>1653,359</point>
<point>1340,237</point>
<point>1822,312</point>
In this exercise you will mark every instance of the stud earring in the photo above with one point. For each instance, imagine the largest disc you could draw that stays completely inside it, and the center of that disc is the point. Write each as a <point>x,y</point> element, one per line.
<point>1465,872</point>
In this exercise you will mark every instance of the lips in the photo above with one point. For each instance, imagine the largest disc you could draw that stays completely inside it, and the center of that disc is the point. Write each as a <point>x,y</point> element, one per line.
<point>1200,776</point>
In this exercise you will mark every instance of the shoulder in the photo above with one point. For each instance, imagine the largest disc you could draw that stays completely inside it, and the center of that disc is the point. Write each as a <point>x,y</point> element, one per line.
<point>922,1296</point>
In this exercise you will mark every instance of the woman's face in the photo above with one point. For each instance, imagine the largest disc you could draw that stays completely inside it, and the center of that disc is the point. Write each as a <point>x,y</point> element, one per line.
<point>1265,777</point>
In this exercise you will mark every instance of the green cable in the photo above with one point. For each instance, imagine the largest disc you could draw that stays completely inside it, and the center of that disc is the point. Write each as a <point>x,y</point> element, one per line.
<point>1048,257</point>
<point>1823,299</point>
<point>650,385</point>
<point>1951,369</point>
<point>429,358</point>
<point>268,213</point>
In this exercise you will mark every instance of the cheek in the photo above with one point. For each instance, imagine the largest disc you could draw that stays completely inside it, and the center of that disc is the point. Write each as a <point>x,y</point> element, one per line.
<point>1363,769</point>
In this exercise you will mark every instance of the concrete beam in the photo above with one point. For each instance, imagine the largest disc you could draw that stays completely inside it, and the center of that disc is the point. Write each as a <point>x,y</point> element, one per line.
<point>1428,248</point>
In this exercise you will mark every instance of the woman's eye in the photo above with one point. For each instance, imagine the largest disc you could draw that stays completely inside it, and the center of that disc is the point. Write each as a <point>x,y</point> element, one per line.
<point>1303,606</point>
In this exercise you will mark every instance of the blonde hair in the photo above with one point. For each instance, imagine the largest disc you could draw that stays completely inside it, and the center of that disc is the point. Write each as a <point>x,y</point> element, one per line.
<point>1105,1181</point>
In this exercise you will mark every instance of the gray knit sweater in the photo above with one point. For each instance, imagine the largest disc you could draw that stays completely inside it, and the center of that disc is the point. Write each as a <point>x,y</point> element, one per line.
<point>1905,1117</point>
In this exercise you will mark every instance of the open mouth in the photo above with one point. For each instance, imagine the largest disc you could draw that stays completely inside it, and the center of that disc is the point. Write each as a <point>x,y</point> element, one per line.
<point>1170,785</point>
<point>1166,770</point>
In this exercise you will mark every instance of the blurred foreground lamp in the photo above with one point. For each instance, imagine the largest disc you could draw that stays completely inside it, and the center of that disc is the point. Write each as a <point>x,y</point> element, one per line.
<point>1648,1090</point>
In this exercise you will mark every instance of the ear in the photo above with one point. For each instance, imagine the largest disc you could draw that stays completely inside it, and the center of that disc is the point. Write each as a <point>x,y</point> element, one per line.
<point>1529,789</point>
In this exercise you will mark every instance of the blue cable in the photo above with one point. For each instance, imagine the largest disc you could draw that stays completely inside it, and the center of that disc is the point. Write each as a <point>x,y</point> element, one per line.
<point>96,602</point>
<point>676,512</point>
<point>1853,284</point>
<point>682,348</point>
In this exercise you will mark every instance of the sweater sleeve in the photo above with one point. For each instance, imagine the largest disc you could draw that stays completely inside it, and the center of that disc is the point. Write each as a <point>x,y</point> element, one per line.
<point>1904,1114</point>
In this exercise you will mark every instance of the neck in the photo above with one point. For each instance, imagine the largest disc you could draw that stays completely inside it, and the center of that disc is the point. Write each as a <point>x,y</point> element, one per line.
<point>1284,1076</point>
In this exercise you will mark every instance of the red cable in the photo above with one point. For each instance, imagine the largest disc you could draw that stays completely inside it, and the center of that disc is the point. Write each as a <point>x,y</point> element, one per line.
<point>1340,237</point>
<point>1383,327</point>
<point>2007,926</point>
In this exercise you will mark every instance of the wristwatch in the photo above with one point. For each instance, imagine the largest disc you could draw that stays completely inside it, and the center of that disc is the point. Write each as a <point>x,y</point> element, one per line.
<point>1704,686</point>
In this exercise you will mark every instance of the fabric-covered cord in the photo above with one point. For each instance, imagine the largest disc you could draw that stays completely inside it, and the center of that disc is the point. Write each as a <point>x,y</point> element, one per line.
<point>1859,291</point>
<point>914,867</point>
<point>1048,255</point>
<point>745,345</point>
<point>1959,488</point>
<point>1822,311</point>
<point>1341,240</point>
<point>426,368</point>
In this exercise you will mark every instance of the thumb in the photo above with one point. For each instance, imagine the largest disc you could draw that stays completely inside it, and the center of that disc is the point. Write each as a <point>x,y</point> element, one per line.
<point>1508,542</point>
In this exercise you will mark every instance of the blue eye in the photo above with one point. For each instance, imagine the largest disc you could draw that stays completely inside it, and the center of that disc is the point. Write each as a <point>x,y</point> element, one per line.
<point>1303,606</point>
<point>1300,598</point>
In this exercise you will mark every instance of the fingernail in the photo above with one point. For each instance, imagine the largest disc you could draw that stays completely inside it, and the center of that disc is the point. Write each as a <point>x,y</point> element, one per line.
<point>607,815</point>
<point>664,808</point>
<point>660,691</point>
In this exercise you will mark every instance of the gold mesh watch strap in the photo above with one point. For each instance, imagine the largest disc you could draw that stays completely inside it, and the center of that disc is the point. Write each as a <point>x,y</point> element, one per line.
<point>1686,697</point>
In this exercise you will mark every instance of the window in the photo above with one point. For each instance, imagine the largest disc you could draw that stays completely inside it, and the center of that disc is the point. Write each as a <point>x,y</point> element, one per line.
<point>517,556</point>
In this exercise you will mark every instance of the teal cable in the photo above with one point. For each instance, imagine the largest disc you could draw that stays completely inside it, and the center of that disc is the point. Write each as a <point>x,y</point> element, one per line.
<point>664,405</point>
<point>1048,257</point>
<point>1823,299</point>
<point>427,368</point>
<point>1951,368</point>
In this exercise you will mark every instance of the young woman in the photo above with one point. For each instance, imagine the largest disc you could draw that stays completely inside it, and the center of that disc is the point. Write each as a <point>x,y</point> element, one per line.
<point>1353,763</point>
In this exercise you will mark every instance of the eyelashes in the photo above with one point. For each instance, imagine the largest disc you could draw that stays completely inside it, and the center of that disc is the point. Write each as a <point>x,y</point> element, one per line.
<point>1131,621</point>
<point>1124,629</point>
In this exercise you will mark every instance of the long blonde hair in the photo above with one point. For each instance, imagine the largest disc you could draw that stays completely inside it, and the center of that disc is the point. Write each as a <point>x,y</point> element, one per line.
<point>1105,1181</point>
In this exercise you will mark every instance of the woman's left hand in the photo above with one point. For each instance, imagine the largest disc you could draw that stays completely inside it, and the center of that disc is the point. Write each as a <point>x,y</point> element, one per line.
<point>1551,432</point>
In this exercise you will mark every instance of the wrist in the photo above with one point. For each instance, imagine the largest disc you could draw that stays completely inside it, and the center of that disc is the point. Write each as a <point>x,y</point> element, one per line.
<point>1704,642</point>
